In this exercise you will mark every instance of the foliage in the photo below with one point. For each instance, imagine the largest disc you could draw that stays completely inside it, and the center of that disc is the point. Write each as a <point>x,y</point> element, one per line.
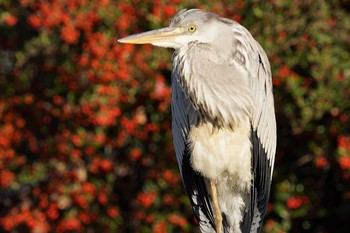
<point>85,132</point>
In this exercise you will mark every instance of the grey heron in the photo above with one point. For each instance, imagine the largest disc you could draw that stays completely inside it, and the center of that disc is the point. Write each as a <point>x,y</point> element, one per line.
<point>223,118</point>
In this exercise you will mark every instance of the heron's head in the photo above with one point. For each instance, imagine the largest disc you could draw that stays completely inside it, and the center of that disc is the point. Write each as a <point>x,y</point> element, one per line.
<point>187,26</point>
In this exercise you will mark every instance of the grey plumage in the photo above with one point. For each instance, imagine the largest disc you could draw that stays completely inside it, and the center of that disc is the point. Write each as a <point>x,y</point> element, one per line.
<point>223,123</point>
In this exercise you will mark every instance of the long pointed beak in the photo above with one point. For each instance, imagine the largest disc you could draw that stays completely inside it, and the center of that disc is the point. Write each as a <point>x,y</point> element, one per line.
<point>160,35</point>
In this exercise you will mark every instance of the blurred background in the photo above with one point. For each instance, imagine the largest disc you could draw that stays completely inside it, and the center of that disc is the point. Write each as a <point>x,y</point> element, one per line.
<point>85,124</point>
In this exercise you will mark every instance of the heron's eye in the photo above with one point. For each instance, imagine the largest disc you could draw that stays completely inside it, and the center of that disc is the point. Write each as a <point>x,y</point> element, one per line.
<point>192,28</point>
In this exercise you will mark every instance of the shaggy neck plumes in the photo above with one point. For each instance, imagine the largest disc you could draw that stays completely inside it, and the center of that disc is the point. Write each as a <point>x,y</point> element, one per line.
<point>218,89</point>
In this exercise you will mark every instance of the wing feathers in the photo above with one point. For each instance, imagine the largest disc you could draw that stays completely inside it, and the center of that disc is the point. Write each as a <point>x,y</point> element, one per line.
<point>184,115</point>
<point>197,191</point>
<point>263,122</point>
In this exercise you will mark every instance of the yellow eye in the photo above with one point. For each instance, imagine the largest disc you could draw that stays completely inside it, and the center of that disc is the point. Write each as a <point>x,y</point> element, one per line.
<point>192,28</point>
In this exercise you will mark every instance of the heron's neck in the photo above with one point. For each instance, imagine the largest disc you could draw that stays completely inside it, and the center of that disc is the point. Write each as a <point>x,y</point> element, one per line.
<point>218,90</point>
